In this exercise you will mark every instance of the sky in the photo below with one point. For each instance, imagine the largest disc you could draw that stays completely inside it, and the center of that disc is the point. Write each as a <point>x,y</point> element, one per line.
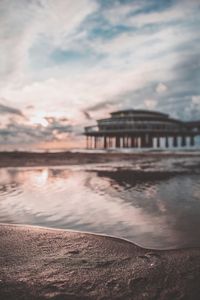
<point>66,63</point>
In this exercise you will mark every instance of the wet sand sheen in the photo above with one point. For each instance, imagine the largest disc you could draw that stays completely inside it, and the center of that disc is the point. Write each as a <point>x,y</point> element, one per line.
<point>38,263</point>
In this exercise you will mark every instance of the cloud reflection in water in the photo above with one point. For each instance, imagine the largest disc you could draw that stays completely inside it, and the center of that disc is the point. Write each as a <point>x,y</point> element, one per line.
<point>151,208</point>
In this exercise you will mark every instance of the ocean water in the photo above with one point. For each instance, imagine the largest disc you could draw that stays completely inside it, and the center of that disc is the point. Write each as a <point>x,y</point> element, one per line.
<point>154,203</point>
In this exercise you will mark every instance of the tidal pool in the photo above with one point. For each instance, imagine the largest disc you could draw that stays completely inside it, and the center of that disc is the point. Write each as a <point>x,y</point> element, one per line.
<point>153,208</point>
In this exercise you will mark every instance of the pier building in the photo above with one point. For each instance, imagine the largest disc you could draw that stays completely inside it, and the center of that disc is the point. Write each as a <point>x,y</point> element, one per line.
<point>140,129</point>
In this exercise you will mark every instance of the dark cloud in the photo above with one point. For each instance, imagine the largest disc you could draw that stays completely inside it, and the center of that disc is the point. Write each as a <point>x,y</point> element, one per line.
<point>87,115</point>
<point>30,107</point>
<point>4,109</point>
<point>58,126</point>
<point>15,133</point>
<point>56,121</point>
<point>101,105</point>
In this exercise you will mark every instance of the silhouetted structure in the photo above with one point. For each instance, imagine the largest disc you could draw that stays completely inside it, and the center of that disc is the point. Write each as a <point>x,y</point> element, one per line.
<point>140,128</point>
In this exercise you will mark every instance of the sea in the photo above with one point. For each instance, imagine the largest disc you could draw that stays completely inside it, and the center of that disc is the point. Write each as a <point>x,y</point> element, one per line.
<point>152,201</point>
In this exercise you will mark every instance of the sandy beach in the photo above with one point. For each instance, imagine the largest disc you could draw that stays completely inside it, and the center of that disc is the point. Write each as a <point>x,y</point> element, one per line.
<point>39,263</point>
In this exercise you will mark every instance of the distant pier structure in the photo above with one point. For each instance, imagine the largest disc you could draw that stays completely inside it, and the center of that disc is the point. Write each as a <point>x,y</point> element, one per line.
<point>140,129</point>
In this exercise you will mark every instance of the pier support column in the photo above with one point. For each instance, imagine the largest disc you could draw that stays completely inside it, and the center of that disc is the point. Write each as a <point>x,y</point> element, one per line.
<point>158,142</point>
<point>99,142</point>
<point>139,142</point>
<point>105,142</point>
<point>136,142</point>
<point>87,142</point>
<point>183,141</point>
<point>102,142</point>
<point>166,142</point>
<point>150,141</point>
<point>129,142</point>
<point>175,141</point>
<point>111,142</point>
<point>95,142</point>
<point>192,140</point>
<point>124,142</point>
<point>143,144</point>
<point>117,143</point>
<point>132,142</point>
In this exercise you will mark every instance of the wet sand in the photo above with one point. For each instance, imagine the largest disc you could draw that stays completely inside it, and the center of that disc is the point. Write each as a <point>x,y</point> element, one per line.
<point>29,159</point>
<point>38,263</point>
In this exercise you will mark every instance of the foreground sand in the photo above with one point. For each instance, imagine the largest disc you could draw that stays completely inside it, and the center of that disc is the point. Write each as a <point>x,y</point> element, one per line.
<point>38,263</point>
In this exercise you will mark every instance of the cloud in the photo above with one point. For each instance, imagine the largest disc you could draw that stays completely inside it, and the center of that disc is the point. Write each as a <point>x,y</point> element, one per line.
<point>17,133</point>
<point>30,106</point>
<point>24,22</point>
<point>118,13</point>
<point>161,88</point>
<point>87,115</point>
<point>150,103</point>
<point>196,99</point>
<point>70,62</point>
<point>101,105</point>
<point>142,13</point>
<point>52,121</point>
<point>10,110</point>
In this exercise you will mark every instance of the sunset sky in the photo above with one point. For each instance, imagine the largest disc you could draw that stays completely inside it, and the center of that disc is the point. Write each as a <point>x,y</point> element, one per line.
<point>66,63</point>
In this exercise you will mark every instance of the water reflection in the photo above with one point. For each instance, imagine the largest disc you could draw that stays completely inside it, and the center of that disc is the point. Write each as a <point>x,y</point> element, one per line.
<point>155,209</point>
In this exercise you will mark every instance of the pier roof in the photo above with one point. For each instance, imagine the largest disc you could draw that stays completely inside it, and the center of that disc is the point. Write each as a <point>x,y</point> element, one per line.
<point>139,111</point>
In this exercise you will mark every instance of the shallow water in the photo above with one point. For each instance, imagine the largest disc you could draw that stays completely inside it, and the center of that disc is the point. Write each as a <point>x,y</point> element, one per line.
<point>155,204</point>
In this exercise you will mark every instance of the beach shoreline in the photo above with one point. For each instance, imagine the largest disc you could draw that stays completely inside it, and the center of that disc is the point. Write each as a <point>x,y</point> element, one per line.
<point>33,159</point>
<point>41,263</point>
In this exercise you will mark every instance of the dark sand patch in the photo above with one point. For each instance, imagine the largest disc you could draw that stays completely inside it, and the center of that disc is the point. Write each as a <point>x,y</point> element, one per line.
<point>38,263</point>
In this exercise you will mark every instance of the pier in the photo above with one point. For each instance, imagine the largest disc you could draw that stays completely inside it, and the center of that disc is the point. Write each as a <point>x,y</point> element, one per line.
<point>140,129</point>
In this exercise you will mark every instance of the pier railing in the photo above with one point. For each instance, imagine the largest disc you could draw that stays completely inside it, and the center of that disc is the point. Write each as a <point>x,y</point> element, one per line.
<point>91,129</point>
<point>97,130</point>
